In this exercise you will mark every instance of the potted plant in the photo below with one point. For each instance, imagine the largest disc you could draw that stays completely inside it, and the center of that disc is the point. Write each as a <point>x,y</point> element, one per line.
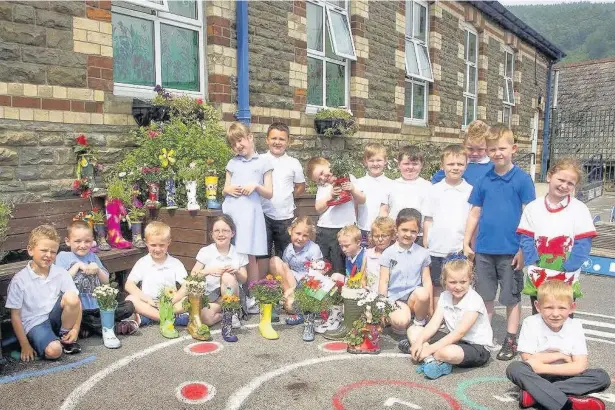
<point>312,297</point>
<point>152,177</point>
<point>197,299</point>
<point>106,297</point>
<point>350,294</point>
<point>341,166</point>
<point>190,173</point>
<point>136,216</point>
<point>364,337</point>
<point>230,305</point>
<point>86,169</point>
<point>268,292</point>
<point>118,194</point>
<point>98,218</point>
<point>334,122</point>
<point>211,186</point>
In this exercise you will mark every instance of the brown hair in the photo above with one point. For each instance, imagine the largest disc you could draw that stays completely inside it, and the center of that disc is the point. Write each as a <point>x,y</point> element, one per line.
<point>43,232</point>
<point>456,265</point>
<point>569,164</point>
<point>79,224</point>
<point>350,230</point>
<point>226,218</point>
<point>280,126</point>
<point>312,163</point>
<point>556,289</point>
<point>372,149</point>
<point>454,149</point>
<point>385,225</point>
<point>499,131</point>
<point>412,152</point>
<point>303,220</point>
<point>236,132</point>
<point>476,132</point>
<point>157,228</point>
<point>407,215</point>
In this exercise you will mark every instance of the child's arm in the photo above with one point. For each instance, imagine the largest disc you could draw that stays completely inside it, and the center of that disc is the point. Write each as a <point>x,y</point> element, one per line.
<point>77,266</point>
<point>299,189</point>
<point>528,247</point>
<point>180,294</point>
<point>465,324</point>
<point>321,204</point>
<point>471,224</point>
<point>578,255</point>
<point>419,351</point>
<point>132,288</point>
<point>27,352</point>
<point>426,280</point>
<point>242,274</point>
<point>232,190</point>
<point>574,367</point>
<point>266,190</point>
<point>358,196</point>
<point>547,357</point>
<point>384,210</point>
<point>383,286</point>
<point>426,228</point>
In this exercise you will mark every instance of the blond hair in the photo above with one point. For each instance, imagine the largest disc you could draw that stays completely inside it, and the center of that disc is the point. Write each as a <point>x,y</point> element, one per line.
<point>454,149</point>
<point>313,163</point>
<point>308,223</point>
<point>500,131</point>
<point>373,149</point>
<point>569,164</point>
<point>79,224</point>
<point>157,228</point>
<point>556,289</point>
<point>456,265</point>
<point>384,224</point>
<point>351,231</point>
<point>43,232</point>
<point>476,133</point>
<point>236,132</point>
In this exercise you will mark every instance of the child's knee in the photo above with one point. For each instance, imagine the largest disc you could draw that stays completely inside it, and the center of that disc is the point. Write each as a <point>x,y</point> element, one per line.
<point>421,295</point>
<point>70,299</point>
<point>602,378</point>
<point>413,332</point>
<point>399,321</point>
<point>53,350</point>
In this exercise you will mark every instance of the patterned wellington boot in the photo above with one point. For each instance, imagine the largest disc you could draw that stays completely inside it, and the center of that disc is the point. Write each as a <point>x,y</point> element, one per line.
<point>196,328</point>
<point>152,201</point>
<point>308,329</point>
<point>371,341</point>
<point>169,186</point>
<point>137,239</point>
<point>352,312</point>
<point>101,238</point>
<point>227,327</point>
<point>115,209</point>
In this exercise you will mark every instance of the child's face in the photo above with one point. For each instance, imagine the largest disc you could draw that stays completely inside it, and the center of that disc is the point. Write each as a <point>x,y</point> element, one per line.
<point>562,183</point>
<point>244,146</point>
<point>381,239</point>
<point>80,241</point>
<point>501,152</point>
<point>43,254</point>
<point>349,246</point>
<point>476,150</point>
<point>407,233</point>
<point>555,311</point>
<point>410,170</point>
<point>221,233</point>
<point>158,245</point>
<point>453,166</point>
<point>322,174</point>
<point>375,164</point>
<point>300,235</point>
<point>458,283</point>
<point>277,141</point>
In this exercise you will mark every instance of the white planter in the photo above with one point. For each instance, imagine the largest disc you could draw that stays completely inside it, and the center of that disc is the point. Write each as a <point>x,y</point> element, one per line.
<point>354,294</point>
<point>193,205</point>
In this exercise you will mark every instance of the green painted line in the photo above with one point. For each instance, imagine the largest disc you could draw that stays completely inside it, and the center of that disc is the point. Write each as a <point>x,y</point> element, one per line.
<point>463,386</point>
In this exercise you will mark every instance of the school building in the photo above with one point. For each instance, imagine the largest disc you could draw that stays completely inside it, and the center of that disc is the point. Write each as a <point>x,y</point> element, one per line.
<point>409,71</point>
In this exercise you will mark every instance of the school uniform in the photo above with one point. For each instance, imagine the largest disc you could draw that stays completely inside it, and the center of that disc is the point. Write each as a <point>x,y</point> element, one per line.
<point>296,259</point>
<point>405,269</point>
<point>355,265</point>
<point>155,276</point>
<point>372,269</point>
<point>210,256</point>
<point>550,391</point>
<point>449,211</point>
<point>410,194</point>
<point>377,190</point>
<point>501,198</point>
<point>280,209</point>
<point>473,173</point>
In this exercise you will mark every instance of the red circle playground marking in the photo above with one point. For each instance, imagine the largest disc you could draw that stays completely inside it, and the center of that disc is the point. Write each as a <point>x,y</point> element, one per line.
<point>343,391</point>
<point>333,347</point>
<point>195,392</point>
<point>201,348</point>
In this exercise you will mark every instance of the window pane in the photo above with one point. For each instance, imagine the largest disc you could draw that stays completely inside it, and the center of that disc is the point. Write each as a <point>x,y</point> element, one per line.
<point>412,66</point>
<point>329,48</point>
<point>471,47</point>
<point>314,90</point>
<point>472,79</point>
<point>465,51</point>
<point>509,65</point>
<point>341,31</point>
<point>338,3</point>
<point>314,26</point>
<point>418,101</point>
<point>133,50</point>
<point>420,22</point>
<point>409,6</point>
<point>506,98</point>
<point>469,110</point>
<point>179,57</point>
<point>424,61</point>
<point>336,85</point>
<point>408,100</point>
<point>506,115</point>
<point>511,91</point>
<point>185,8</point>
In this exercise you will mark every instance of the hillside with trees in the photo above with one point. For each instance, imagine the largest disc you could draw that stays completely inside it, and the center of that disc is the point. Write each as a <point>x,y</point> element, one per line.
<point>585,31</point>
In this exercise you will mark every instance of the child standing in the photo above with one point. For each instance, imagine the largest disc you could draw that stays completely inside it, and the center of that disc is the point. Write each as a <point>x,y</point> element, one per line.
<point>248,180</point>
<point>288,181</point>
<point>463,312</point>
<point>450,208</point>
<point>554,373</point>
<point>88,273</point>
<point>223,268</point>
<point>478,160</point>
<point>332,218</point>
<point>497,201</point>
<point>410,190</point>
<point>404,273</point>
<point>556,231</point>
<point>382,235</point>
<point>44,302</point>
<point>376,186</point>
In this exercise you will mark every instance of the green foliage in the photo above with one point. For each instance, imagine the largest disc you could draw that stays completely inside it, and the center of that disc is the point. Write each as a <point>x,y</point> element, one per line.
<point>329,113</point>
<point>308,304</point>
<point>342,165</point>
<point>192,171</point>
<point>346,127</point>
<point>118,188</point>
<point>136,214</point>
<point>5,216</point>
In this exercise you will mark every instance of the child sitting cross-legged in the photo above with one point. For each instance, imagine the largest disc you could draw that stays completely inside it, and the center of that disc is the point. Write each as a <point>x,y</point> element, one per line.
<point>88,273</point>
<point>44,303</point>
<point>464,314</point>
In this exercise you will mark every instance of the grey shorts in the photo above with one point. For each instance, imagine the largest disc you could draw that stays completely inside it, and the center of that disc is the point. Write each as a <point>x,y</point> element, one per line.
<point>436,270</point>
<point>494,270</point>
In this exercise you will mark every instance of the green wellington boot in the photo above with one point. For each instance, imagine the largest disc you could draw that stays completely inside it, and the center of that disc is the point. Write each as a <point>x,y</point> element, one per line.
<point>352,312</point>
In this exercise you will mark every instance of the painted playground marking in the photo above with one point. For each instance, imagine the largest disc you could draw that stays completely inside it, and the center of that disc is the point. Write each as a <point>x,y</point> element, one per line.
<point>463,386</point>
<point>391,401</point>
<point>195,392</point>
<point>202,348</point>
<point>44,372</point>
<point>333,347</point>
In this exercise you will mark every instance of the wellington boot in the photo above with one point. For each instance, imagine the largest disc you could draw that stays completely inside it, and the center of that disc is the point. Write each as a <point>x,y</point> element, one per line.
<point>196,328</point>
<point>352,312</point>
<point>264,326</point>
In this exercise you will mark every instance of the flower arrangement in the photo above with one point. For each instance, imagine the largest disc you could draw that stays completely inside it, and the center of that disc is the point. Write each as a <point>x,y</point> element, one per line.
<point>320,266</point>
<point>166,295</point>
<point>304,296</point>
<point>87,167</point>
<point>118,188</point>
<point>379,306</point>
<point>196,286</point>
<point>191,171</point>
<point>82,187</point>
<point>211,170</point>
<point>190,109</point>
<point>267,291</point>
<point>230,302</point>
<point>151,174</point>
<point>136,214</point>
<point>376,308</point>
<point>106,296</point>
<point>335,121</point>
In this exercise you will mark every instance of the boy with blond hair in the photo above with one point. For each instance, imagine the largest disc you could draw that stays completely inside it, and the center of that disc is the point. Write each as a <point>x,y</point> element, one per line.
<point>476,147</point>
<point>554,372</point>
<point>497,203</point>
<point>44,302</point>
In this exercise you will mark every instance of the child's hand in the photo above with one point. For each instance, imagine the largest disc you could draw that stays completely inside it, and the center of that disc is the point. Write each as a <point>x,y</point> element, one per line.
<point>91,269</point>
<point>468,252</point>
<point>234,191</point>
<point>336,191</point>
<point>415,350</point>
<point>71,336</point>
<point>248,189</point>
<point>218,271</point>
<point>347,186</point>
<point>82,267</point>
<point>517,262</point>
<point>27,353</point>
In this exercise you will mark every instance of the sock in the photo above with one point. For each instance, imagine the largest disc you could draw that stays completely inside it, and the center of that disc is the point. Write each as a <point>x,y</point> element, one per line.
<point>63,331</point>
<point>428,359</point>
<point>567,406</point>
<point>511,336</point>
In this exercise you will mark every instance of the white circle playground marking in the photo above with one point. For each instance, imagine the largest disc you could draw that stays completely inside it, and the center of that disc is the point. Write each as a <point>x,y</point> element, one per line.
<point>333,347</point>
<point>195,392</point>
<point>236,400</point>
<point>202,348</point>
<point>75,397</point>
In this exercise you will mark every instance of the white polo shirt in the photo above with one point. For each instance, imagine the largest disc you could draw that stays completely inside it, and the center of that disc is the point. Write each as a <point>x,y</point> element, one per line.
<point>480,333</point>
<point>376,193</point>
<point>210,256</point>
<point>409,194</point>
<point>287,172</point>
<point>336,216</point>
<point>156,276</point>
<point>537,337</point>
<point>36,295</point>
<point>449,209</point>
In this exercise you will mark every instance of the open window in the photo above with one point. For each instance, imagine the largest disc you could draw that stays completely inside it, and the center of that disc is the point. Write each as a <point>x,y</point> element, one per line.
<point>509,73</point>
<point>339,30</point>
<point>470,77</point>
<point>418,63</point>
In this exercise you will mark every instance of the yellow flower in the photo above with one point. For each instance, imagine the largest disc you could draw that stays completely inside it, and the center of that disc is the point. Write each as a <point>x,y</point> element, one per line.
<point>84,162</point>
<point>278,278</point>
<point>167,157</point>
<point>169,293</point>
<point>269,276</point>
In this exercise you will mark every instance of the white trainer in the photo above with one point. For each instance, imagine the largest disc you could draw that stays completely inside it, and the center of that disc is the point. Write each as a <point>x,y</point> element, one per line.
<point>110,340</point>
<point>333,322</point>
<point>235,322</point>
<point>251,306</point>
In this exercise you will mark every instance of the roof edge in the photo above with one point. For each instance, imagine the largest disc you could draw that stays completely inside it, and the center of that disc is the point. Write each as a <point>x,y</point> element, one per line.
<point>585,63</point>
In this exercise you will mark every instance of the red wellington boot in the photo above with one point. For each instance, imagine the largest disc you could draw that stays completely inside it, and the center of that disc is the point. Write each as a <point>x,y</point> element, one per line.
<point>371,341</point>
<point>586,403</point>
<point>526,400</point>
<point>344,196</point>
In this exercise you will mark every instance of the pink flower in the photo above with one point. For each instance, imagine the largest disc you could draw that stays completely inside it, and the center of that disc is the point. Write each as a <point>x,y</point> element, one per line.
<point>154,134</point>
<point>199,101</point>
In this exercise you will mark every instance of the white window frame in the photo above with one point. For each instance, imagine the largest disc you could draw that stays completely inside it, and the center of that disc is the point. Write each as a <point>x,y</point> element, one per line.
<point>507,107</point>
<point>320,55</point>
<point>506,97</point>
<point>148,12</point>
<point>412,120</point>
<point>160,5</point>
<point>468,63</point>
<point>334,9</point>
<point>413,44</point>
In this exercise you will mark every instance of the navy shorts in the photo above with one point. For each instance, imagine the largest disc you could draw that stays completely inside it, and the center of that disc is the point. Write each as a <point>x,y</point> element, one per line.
<point>277,236</point>
<point>473,355</point>
<point>44,333</point>
<point>436,270</point>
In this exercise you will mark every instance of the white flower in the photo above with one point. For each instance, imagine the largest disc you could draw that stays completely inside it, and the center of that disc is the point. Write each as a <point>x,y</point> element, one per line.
<point>380,305</point>
<point>121,174</point>
<point>361,302</point>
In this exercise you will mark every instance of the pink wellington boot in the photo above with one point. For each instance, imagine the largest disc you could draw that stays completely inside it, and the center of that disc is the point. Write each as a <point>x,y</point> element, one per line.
<point>115,210</point>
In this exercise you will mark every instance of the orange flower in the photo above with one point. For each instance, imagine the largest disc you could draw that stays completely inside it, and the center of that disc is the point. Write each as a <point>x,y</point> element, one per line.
<point>269,276</point>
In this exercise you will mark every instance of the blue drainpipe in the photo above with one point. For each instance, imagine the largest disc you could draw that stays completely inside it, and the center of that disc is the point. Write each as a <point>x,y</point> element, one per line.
<point>243,77</point>
<point>547,128</point>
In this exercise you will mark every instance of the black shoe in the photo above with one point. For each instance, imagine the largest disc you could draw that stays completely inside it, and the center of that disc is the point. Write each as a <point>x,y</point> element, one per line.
<point>71,348</point>
<point>508,350</point>
<point>404,346</point>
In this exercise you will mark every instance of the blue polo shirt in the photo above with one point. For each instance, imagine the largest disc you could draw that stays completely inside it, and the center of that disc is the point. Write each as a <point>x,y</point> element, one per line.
<point>501,198</point>
<point>84,283</point>
<point>405,269</point>
<point>474,171</point>
<point>296,259</point>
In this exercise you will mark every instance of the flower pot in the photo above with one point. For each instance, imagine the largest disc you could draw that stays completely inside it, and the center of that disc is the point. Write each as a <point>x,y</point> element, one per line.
<point>141,112</point>
<point>107,321</point>
<point>264,327</point>
<point>227,326</point>
<point>137,238</point>
<point>193,205</point>
<point>101,237</point>
<point>115,210</point>
<point>371,340</point>
<point>169,187</point>
<point>344,196</point>
<point>211,191</point>
<point>322,125</point>
<point>160,113</point>
<point>152,196</point>
<point>196,328</point>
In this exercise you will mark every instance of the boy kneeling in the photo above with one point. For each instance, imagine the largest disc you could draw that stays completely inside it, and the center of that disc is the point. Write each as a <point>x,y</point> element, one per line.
<point>44,302</point>
<point>554,370</point>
